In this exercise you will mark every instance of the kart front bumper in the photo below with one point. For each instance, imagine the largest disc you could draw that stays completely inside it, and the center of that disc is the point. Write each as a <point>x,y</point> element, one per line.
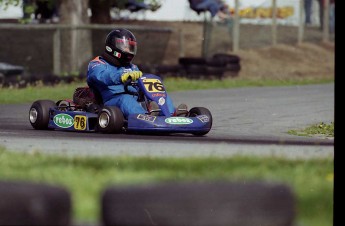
<point>164,124</point>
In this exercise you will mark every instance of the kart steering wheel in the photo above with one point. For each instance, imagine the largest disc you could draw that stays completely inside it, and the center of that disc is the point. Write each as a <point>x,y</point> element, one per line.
<point>129,82</point>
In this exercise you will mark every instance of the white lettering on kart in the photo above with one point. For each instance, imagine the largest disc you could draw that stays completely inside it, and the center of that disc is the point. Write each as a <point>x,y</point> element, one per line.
<point>63,120</point>
<point>178,120</point>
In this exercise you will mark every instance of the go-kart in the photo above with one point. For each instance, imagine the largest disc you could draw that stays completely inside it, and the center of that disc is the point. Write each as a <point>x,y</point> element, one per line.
<point>87,112</point>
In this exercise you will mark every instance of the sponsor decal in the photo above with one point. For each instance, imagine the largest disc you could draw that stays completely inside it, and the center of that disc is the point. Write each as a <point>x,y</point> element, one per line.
<point>158,95</point>
<point>63,120</point>
<point>108,49</point>
<point>161,101</point>
<point>178,120</point>
<point>203,118</point>
<point>148,118</point>
<point>117,54</point>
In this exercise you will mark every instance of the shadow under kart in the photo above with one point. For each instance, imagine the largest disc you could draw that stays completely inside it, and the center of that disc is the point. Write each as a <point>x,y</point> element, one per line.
<point>91,115</point>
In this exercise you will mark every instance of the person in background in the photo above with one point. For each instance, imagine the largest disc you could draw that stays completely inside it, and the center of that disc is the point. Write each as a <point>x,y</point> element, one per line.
<point>107,74</point>
<point>331,13</point>
<point>215,7</point>
<point>308,4</point>
<point>332,16</point>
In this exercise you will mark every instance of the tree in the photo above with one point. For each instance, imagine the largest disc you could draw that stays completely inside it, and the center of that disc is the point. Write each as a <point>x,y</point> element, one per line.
<point>76,43</point>
<point>100,11</point>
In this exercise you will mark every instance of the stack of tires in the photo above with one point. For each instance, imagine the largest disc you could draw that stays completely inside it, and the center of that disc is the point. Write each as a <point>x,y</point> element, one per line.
<point>168,71</point>
<point>218,66</point>
<point>232,63</point>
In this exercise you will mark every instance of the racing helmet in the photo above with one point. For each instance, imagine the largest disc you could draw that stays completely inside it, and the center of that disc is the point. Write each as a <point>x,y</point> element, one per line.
<point>121,46</point>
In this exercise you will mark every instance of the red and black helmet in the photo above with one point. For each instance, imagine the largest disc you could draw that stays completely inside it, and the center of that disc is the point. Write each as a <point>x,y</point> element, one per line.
<point>121,45</point>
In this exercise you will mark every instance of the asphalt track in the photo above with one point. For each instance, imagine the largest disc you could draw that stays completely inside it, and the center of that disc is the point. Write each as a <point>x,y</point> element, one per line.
<point>246,121</point>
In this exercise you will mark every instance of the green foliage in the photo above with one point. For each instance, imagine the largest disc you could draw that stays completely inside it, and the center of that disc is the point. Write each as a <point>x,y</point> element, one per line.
<point>320,129</point>
<point>4,4</point>
<point>86,177</point>
<point>32,93</point>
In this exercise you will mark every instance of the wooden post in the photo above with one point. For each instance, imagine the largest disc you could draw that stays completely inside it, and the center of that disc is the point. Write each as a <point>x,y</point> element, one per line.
<point>274,22</point>
<point>325,22</point>
<point>56,52</point>
<point>301,22</point>
<point>236,28</point>
<point>181,43</point>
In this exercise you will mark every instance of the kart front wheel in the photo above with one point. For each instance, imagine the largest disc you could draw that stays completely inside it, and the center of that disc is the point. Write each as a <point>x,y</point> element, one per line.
<point>39,113</point>
<point>110,120</point>
<point>201,111</point>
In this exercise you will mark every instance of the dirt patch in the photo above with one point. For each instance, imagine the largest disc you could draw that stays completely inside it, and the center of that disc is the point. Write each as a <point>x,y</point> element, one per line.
<point>286,61</point>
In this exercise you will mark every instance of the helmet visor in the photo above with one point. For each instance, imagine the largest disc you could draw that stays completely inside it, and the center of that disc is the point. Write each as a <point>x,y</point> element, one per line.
<point>126,45</point>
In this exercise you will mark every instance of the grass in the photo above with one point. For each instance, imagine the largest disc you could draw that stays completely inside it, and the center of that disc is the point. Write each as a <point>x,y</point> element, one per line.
<point>86,177</point>
<point>320,129</point>
<point>65,91</point>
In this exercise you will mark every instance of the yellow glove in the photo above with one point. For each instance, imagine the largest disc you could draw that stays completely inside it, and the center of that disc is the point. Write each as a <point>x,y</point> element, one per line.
<point>135,75</point>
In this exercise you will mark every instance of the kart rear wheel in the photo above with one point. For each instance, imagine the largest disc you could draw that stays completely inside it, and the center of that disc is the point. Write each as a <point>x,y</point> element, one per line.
<point>201,111</point>
<point>110,120</point>
<point>39,113</point>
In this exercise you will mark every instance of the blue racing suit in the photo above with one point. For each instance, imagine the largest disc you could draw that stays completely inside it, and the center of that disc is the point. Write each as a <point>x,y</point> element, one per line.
<point>106,79</point>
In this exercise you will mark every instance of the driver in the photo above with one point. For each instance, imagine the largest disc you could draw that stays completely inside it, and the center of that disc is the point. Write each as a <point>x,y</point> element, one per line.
<point>108,73</point>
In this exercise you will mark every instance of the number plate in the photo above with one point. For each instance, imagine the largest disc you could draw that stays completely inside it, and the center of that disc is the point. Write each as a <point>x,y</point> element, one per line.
<point>153,85</point>
<point>80,122</point>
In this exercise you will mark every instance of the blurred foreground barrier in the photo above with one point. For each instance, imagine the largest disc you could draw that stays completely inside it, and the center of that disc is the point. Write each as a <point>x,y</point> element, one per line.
<point>202,204</point>
<point>24,203</point>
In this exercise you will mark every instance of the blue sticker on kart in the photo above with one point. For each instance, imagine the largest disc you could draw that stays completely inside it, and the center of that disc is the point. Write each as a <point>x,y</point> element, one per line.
<point>148,118</point>
<point>203,118</point>
<point>178,120</point>
<point>63,120</point>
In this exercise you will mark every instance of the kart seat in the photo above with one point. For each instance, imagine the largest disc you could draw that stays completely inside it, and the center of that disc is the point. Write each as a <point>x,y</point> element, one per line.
<point>84,96</point>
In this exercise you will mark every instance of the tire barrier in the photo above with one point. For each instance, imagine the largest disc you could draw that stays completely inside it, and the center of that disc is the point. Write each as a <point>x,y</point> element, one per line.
<point>168,70</point>
<point>202,204</point>
<point>227,58</point>
<point>169,204</point>
<point>218,66</point>
<point>26,203</point>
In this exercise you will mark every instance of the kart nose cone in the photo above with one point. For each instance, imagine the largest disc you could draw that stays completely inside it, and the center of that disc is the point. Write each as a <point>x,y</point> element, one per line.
<point>103,120</point>
<point>33,115</point>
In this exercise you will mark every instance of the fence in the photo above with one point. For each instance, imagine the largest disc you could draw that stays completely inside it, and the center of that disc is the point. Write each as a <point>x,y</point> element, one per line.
<point>236,32</point>
<point>47,38</point>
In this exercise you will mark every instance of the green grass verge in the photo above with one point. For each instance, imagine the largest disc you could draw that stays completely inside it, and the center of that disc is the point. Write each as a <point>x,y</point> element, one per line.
<point>65,91</point>
<point>320,129</point>
<point>86,177</point>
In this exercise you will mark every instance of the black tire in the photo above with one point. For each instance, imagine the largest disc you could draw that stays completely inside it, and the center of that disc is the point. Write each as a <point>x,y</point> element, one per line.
<point>194,203</point>
<point>164,69</point>
<point>227,58</point>
<point>217,72</point>
<point>192,60</point>
<point>201,111</point>
<point>195,71</point>
<point>39,113</point>
<point>110,120</point>
<point>233,67</point>
<point>29,203</point>
<point>214,62</point>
